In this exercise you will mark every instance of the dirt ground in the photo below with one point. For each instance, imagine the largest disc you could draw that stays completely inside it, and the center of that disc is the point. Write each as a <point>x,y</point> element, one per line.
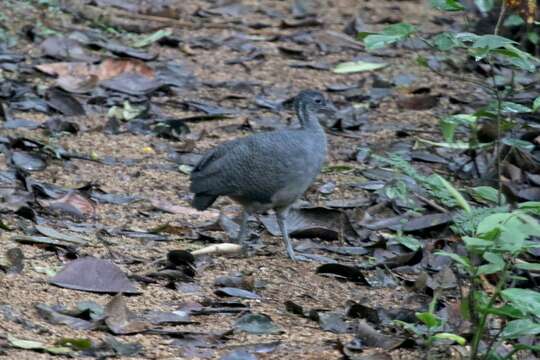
<point>151,176</point>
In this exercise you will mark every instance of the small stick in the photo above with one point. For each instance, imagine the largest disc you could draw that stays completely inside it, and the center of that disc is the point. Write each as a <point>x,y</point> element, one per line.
<point>431,203</point>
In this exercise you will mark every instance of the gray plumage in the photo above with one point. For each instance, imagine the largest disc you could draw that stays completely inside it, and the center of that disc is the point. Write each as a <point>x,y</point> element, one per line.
<point>267,170</point>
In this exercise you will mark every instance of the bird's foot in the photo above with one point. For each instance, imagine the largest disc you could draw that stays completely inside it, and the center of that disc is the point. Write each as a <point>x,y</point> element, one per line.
<point>291,254</point>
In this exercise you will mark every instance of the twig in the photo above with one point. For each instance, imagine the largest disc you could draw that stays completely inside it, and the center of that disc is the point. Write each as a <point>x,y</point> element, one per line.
<point>431,203</point>
<point>492,343</point>
<point>498,141</point>
<point>500,19</point>
<point>481,325</point>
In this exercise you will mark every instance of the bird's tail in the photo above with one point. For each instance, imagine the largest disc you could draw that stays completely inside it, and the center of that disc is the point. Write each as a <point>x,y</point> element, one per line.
<point>203,201</point>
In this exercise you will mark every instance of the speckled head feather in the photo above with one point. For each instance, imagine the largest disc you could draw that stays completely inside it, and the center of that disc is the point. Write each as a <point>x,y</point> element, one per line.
<point>308,103</point>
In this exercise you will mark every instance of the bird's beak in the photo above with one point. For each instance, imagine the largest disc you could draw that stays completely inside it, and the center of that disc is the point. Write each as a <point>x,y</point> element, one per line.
<point>329,109</point>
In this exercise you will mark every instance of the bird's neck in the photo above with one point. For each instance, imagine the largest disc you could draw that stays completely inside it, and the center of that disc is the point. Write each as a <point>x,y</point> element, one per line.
<point>308,119</point>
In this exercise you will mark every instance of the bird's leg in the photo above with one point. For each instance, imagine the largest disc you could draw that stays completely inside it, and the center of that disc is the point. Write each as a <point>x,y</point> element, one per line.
<point>281,215</point>
<point>243,227</point>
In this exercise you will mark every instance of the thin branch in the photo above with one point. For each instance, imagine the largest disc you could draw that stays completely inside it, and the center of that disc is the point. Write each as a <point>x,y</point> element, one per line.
<point>502,13</point>
<point>431,203</point>
<point>499,131</point>
<point>481,326</point>
<point>492,343</point>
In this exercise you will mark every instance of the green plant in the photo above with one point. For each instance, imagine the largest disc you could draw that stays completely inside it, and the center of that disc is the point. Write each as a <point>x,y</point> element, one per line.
<point>497,234</point>
<point>435,184</point>
<point>493,249</point>
<point>430,329</point>
<point>495,238</point>
<point>490,49</point>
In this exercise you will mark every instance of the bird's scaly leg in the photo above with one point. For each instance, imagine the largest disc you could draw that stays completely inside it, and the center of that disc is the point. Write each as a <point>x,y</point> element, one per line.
<point>243,227</point>
<point>281,218</point>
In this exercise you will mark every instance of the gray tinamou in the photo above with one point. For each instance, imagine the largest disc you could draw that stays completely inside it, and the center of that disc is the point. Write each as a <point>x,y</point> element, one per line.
<point>268,170</point>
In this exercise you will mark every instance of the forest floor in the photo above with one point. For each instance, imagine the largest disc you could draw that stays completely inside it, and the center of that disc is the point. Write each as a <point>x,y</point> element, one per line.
<point>244,59</point>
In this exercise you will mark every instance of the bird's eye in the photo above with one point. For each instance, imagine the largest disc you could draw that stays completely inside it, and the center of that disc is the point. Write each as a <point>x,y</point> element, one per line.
<point>318,101</point>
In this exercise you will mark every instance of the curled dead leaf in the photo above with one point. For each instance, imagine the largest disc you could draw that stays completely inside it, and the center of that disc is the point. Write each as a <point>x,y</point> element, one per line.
<point>72,203</point>
<point>218,249</point>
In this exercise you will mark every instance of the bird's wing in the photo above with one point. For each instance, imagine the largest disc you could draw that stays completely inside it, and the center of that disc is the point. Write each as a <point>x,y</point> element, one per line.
<point>256,166</point>
<point>210,174</point>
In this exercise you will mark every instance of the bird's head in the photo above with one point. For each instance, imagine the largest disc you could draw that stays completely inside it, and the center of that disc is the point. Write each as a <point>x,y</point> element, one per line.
<point>314,101</point>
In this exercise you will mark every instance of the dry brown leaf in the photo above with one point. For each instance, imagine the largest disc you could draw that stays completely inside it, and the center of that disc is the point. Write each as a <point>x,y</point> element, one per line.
<point>107,69</point>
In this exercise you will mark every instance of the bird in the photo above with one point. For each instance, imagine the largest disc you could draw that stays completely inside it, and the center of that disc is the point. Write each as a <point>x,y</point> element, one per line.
<point>267,170</point>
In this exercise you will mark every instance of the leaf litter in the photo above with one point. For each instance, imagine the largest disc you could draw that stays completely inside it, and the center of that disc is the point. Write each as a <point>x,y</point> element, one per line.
<point>113,238</point>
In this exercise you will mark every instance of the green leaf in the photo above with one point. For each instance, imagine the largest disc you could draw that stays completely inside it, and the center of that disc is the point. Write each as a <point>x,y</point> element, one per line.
<point>496,264</point>
<point>517,57</point>
<point>447,5</point>
<point>462,119</point>
<point>409,327</point>
<point>513,229</point>
<point>518,328</point>
<point>448,130</point>
<point>457,145</point>
<point>528,266</point>
<point>510,107</point>
<point>389,35</point>
<point>533,37</point>
<point>526,347</point>
<point>486,194</point>
<point>363,34</point>
<point>492,221</point>
<point>519,144</point>
<point>449,125</point>
<point>476,244</point>
<point>446,41</point>
<point>429,319</point>
<point>467,37</point>
<point>422,61</point>
<point>491,42</point>
<point>374,42</point>
<point>525,300</point>
<point>58,350</point>
<point>513,20</point>
<point>36,345</point>
<point>409,242</point>
<point>484,5</point>
<point>521,61</point>
<point>357,66</point>
<point>25,344</point>
<point>457,258</point>
<point>149,39</point>
<point>514,235</point>
<point>506,310</point>
<point>536,104</point>
<point>75,343</point>
<point>454,192</point>
<point>399,29</point>
<point>530,206</point>
<point>449,336</point>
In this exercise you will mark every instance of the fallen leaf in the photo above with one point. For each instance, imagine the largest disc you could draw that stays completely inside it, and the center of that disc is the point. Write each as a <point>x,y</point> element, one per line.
<point>258,324</point>
<point>94,275</point>
<point>72,203</point>
<point>121,320</point>
<point>357,66</point>
<point>236,292</point>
